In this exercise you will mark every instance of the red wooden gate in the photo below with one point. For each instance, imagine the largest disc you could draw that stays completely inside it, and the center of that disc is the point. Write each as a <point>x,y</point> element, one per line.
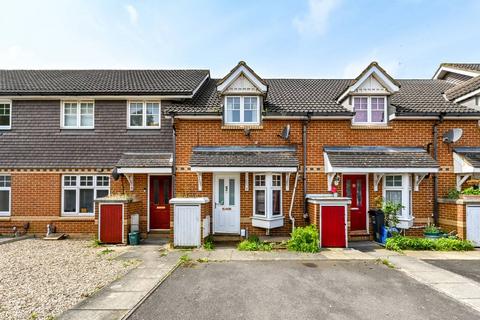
<point>333,226</point>
<point>111,223</point>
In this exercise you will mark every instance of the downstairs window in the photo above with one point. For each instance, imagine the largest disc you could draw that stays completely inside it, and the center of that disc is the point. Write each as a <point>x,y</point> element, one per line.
<point>398,189</point>
<point>79,193</point>
<point>5,195</point>
<point>267,199</point>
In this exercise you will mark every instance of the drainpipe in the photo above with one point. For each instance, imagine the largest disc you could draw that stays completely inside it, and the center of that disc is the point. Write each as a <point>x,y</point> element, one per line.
<point>292,218</point>
<point>435,175</point>
<point>174,156</point>
<point>304,142</point>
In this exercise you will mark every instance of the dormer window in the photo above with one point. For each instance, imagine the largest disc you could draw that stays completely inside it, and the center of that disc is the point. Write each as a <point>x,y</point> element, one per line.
<point>242,110</point>
<point>370,110</point>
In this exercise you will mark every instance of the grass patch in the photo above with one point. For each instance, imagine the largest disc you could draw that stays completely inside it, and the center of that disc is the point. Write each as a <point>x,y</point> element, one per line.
<point>202,260</point>
<point>253,243</point>
<point>208,244</point>
<point>95,243</point>
<point>185,258</point>
<point>386,262</point>
<point>400,243</point>
<point>304,239</point>
<point>105,251</point>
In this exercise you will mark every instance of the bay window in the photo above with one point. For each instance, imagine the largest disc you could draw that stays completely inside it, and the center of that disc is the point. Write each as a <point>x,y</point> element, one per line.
<point>78,115</point>
<point>370,110</point>
<point>5,115</point>
<point>144,115</point>
<point>398,189</point>
<point>267,190</point>
<point>242,110</point>
<point>5,195</point>
<point>80,191</point>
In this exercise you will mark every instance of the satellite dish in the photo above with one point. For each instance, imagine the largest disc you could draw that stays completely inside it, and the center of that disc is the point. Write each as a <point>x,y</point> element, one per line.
<point>115,174</point>
<point>452,135</point>
<point>285,135</point>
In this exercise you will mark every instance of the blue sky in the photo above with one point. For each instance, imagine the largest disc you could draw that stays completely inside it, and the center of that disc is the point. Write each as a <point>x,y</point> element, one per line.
<point>289,38</point>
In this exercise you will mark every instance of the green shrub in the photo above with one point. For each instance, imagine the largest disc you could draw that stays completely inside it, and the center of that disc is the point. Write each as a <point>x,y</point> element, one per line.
<point>400,243</point>
<point>253,243</point>
<point>431,228</point>
<point>208,244</point>
<point>304,239</point>
<point>453,194</point>
<point>472,191</point>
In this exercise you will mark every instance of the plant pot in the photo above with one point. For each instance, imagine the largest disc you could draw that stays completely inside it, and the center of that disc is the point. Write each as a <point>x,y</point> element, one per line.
<point>432,235</point>
<point>470,197</point>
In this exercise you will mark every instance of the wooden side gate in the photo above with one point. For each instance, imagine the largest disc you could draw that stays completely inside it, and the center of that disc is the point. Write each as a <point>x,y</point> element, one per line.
<point>111,223</point>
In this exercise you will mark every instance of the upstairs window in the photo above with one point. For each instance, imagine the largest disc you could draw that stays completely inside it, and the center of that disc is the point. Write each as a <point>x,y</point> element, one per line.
<point>267,195</point>
<point>5,115</point>
<point>242,110</point>
<point>78,115</point>
<point>79,193</point>
<point>143,115</point>
<point>5,195</point>
<point>370,110</point>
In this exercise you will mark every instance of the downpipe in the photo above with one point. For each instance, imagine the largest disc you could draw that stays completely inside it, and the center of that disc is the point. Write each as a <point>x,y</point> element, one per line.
<point>435,175</point>
<point>292,218</point>
<point>174,156</point>
<point>304,142</point>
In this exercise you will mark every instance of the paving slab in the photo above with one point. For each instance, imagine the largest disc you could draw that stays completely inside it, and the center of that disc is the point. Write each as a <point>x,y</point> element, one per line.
<point>432,277</point>
<point>93,314</point>
<point>113,300</point>
<point>463,290</point>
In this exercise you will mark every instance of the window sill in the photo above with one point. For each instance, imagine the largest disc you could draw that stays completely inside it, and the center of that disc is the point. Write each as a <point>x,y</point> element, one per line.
<point>77,216</point>
<point>4,217</point>
<point>370,127</point>
<point>242,126</point>
<point>268,223</point>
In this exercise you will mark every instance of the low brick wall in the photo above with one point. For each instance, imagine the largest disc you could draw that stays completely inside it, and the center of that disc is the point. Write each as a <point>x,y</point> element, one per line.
<point>453,215</point>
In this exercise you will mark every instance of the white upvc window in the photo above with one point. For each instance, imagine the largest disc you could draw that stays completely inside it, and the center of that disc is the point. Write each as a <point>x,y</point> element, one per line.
<point>5,195</point>
<point>398,189</point>
<point>5,115</point>
<point>267,195</point>
<point>242,110</point>
<point>370,110</point>
<point>78,114</point>
<point>80,191</point>
<point>144,114</point>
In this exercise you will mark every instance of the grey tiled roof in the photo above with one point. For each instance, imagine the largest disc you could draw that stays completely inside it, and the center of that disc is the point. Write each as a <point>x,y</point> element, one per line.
<point>464,66</point>
<point>243,156</point>
<point>379,157</point>
<point>95,82</point>
<point>319,96</point>
<point>463,88</point>
<point>145,160</point>
<point>471,155</point>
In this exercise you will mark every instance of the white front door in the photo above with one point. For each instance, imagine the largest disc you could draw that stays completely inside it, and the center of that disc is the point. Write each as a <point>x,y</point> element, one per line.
<point>226,205</point>
<point>473,225</point>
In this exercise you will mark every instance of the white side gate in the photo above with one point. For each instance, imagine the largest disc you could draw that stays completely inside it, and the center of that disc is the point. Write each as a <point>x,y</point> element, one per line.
<point>473,225</point>
<point>186,226</point>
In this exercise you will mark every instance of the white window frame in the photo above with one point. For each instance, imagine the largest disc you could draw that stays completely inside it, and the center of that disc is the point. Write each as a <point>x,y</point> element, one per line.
<point>9,126</point>
<point>77,189</point>
<point>144,115</point>
<point>406,189</point>
<point>9,189</point>
<point>242,111</point>
<point>369,110</point>
<point>79,115</point>
<point>268,195</point>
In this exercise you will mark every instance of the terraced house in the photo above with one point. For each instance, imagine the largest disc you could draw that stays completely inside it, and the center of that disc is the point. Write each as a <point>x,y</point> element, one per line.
<point>177,152</point>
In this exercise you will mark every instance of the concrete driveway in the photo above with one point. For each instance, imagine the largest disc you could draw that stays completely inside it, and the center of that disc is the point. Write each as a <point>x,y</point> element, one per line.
<point>466,268</point>
<point>296,290</point>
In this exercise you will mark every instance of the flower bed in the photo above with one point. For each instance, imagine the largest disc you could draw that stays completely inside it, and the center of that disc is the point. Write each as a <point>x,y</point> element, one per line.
<point>399,243</point>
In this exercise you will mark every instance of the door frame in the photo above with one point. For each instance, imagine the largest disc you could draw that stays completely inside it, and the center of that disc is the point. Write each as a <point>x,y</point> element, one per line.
<point>148,199</point>
<point>333,204</point>
<point>214,189</point>
<point>367,195</point>
<point>100,218</point>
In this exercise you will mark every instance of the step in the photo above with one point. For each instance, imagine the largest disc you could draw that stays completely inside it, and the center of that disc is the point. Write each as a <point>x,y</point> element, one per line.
<point>227,238</point>
<point>158,234</point>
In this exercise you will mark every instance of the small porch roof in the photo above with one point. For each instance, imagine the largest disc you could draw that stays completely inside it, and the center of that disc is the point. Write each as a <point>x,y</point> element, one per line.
<point>145,163</point>
<point>244,159</point>
<point>378,159</point>
<point>466,160</point>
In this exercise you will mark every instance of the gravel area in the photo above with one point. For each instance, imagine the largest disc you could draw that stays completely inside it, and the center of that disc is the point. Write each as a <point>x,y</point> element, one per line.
<point>41,279</point>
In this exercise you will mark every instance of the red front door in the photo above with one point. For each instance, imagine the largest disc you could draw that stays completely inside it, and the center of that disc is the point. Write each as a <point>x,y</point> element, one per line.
<point>160,194</point>
<point>333,226</point>
<point>355,187</point>
<point>111,223</point>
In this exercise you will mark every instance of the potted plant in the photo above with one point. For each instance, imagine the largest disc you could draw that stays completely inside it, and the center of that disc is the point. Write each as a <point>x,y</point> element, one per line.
<point>432,232</point>
<point>390,210</point>
<point>471,193</point>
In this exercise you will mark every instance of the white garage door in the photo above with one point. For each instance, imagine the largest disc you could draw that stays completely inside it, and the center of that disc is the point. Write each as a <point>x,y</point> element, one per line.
<point>186,225</point>
<point>473,224</point>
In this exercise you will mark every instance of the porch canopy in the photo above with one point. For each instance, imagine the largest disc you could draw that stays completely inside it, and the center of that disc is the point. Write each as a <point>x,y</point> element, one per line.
<point>466,162</point>
<point>153,163</point>
<point>244,159</point>
<point>378,160</point>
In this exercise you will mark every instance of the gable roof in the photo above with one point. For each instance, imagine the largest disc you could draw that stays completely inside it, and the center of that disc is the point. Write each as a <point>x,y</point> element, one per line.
<point>462,90</point>
<point>463,66</point>
<point>467,70</point>
<point>242,68</point>
<point>98,82</point>
<point>319,97</point>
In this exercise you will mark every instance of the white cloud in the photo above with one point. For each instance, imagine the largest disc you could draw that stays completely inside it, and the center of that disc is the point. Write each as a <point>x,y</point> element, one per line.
<point>316,19</point>
<point>132,13</point>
